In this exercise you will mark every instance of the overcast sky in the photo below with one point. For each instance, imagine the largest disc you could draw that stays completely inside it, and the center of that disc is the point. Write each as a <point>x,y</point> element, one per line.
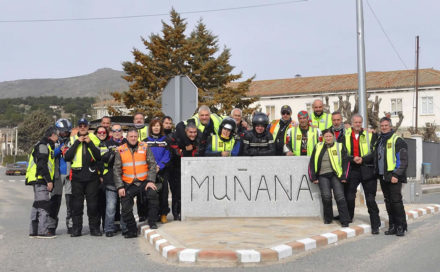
<point>315,37</point>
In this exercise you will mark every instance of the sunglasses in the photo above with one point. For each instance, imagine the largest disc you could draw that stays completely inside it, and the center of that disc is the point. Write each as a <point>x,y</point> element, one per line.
<point>101,132</point>
<point>116,130</point>
<point>285,113</point>
<point>82,125</point>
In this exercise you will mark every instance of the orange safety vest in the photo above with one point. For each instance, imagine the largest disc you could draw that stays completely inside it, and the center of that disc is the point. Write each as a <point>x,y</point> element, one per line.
<point>134,165</point>
<point>275,126</point>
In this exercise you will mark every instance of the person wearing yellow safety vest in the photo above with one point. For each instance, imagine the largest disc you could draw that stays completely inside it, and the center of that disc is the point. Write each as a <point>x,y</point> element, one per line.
<point>134,172</point>
<point>84,154</point>
<point>278,128</point>
<point>319,118</point>
<point>327,168</point>
<point>359,144</point>
<point>139,124</point>
<point>206,122</point>
<point>391,162</point>
<point>40,173</point>
<point>223,143</point>
<point>301,139</point>
<point>102,134</point>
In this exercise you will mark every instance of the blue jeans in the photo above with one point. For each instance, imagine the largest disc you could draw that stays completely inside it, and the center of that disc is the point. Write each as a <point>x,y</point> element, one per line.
<point>110,211</point>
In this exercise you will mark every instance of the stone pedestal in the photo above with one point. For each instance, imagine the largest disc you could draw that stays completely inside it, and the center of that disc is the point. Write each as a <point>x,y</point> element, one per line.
<point>248,187</point>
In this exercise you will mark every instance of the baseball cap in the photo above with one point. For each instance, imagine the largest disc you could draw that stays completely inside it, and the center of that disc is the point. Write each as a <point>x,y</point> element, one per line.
<point>286,108</point>
<point>83,121</point>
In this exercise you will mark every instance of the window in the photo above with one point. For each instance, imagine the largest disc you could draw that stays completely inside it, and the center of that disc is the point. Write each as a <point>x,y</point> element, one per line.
<point>396,106</point>
<point>270,110</point>
<point>309,108</point>
<point>335,105</point>
<point>427,105</point>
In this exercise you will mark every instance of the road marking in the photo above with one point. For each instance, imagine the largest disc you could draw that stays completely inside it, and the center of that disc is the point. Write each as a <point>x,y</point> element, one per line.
<point>2,181</point>
<point>12,180</point>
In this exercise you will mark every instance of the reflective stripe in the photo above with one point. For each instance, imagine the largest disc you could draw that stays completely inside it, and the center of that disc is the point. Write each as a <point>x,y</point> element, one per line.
<point>135,164</point>
<point>258,144</point>
<point>368,142</point>
<point>294,139</point>
<point>393,148</point>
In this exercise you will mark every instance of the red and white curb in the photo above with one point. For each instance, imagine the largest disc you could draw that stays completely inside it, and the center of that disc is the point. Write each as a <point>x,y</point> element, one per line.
<point>191,255</point>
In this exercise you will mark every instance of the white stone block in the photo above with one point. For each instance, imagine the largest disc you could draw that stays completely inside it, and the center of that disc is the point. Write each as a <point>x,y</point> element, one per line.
<point>147,231</point>
<point>431,208</point>
<point>249,256</point>
<point>414,213</point>
<point>350,232</point>
<point>331,237</point>
<point>188,255</point>
<point>166,249</point>
<point>308,243</point>
<point>424,211</point>
<point>367,228</point>
<point>284,251</point>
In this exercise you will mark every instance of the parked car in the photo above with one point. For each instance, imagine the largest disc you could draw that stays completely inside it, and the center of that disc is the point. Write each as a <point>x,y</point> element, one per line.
<point>18,168</point>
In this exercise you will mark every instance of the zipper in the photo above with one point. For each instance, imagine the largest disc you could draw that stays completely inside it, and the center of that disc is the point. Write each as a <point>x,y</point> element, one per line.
<point>134,165</point>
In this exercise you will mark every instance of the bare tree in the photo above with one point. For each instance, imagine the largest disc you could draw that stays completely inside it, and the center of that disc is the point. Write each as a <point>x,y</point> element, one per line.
<point>344,106</point>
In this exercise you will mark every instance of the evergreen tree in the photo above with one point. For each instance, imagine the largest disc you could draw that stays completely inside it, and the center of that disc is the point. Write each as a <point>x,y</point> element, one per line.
<point>32,129</point>
<point>173,53</point>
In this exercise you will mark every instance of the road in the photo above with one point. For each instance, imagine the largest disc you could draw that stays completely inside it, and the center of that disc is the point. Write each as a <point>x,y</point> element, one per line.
<point>418,251</point>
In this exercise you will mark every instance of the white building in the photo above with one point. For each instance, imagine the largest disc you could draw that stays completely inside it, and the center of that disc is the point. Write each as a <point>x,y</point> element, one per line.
<point>100,109</point>
<point>395,88</point>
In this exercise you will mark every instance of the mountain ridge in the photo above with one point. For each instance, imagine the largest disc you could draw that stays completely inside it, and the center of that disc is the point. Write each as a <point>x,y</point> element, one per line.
<point>102,81</point>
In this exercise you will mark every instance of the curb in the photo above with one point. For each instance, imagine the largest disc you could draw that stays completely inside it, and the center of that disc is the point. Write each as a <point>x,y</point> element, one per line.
<point>430,190</point>
<point>273,254</point>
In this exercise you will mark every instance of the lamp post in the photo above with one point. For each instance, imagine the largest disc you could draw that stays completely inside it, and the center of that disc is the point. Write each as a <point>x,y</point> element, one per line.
<point>362,86</point>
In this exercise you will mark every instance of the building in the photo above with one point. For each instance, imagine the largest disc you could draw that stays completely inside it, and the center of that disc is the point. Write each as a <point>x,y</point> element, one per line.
<point>100,109</point>
<point>395,89</point>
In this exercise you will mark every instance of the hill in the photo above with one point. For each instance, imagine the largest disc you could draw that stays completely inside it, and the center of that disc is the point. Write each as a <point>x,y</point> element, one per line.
<point>102,81</point>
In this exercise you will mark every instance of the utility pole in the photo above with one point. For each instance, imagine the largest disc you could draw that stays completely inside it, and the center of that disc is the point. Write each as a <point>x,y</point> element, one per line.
<point>16,140</point>
<point>362,86</point>
<point>417,84</point>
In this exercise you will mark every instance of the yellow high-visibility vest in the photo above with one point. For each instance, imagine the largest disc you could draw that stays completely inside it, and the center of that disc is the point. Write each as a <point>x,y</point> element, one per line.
<point>31,172</point>
<point>334,153</point>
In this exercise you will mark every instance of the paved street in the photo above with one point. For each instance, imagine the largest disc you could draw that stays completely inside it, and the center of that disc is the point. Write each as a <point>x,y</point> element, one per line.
<point>418,251</point>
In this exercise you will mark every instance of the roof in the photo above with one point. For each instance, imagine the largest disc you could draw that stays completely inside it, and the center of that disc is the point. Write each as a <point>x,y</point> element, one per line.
<point>342,83</point>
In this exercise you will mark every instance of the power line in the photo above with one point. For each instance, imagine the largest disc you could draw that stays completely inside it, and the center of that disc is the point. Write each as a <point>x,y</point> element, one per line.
<point>386,35</point>
<point>148,15</point>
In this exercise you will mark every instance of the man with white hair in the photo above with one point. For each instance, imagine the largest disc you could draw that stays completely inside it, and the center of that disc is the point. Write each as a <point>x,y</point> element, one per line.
<point>242,125</point>
<point>320,119</point>
<point>359,144</point>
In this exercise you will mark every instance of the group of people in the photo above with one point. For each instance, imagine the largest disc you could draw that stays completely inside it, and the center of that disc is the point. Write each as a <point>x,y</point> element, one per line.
<point>110,171</point>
